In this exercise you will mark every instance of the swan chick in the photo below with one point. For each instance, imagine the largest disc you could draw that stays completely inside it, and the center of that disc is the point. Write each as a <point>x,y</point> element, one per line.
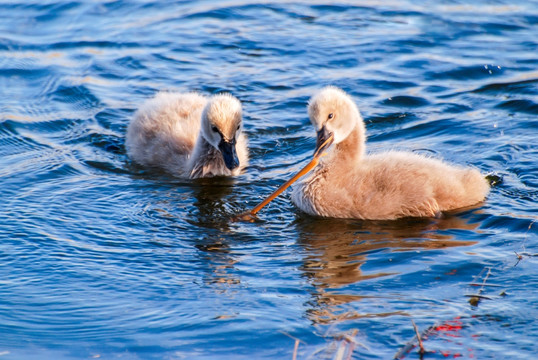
<point>189,135</point>
<point>347,183</point>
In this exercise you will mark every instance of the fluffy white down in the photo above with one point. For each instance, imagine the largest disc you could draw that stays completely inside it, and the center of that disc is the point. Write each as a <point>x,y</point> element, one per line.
<point>165,133</point>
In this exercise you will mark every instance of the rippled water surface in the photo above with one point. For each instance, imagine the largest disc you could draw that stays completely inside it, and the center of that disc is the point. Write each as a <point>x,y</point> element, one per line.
<point>100,258</point>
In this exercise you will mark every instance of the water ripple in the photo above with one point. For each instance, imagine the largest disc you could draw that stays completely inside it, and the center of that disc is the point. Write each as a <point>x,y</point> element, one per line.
<point>103,258</point>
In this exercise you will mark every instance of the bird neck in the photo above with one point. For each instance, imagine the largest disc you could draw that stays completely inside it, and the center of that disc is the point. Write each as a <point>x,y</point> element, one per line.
<point>351,149</point>
<point>203,147</point>
<point>204,156</point>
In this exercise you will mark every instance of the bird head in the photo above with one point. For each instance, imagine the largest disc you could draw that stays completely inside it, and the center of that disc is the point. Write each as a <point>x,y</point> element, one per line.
<point>333,114</point>
<point>222,125</point>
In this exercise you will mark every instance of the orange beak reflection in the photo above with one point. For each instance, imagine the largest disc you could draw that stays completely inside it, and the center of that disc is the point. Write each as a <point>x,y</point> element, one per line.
<point>324,140</point>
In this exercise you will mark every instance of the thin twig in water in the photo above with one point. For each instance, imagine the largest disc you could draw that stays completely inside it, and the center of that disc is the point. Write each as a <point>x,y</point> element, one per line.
<point>352,343</point>
<point>475,298</point>
<point>479,296</point>
<point>340,352</point>
<point>492,285</point>
<point>348,343</point>
<point>527,233</point>
<point>296,346</point>
<point>421,351</point>
<point>519,258</point>
<point>521,255</point>
<point>485,279</point>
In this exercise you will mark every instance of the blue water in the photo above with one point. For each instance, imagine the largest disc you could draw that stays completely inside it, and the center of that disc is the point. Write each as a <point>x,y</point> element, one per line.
<point>100,258</point>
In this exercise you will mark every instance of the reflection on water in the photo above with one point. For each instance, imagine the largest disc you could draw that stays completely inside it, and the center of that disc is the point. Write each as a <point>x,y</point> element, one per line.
<point>211,202</point>
<point>212,213</point>
<point>337,249</point>
<point>220,263</point>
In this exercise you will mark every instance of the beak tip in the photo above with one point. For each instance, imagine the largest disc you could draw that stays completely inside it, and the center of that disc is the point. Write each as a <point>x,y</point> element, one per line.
<point>323,141</point>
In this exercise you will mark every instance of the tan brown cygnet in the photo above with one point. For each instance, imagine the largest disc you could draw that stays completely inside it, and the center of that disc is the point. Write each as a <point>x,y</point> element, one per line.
<point>348,183</point>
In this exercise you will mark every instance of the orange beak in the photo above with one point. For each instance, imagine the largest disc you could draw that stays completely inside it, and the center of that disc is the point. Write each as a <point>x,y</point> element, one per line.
<point>323,141</point>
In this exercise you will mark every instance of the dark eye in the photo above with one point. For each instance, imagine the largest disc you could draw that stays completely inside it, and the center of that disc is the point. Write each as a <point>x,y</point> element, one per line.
<point>238,127</point>
<point>330,116</point>
<point>214,128</point>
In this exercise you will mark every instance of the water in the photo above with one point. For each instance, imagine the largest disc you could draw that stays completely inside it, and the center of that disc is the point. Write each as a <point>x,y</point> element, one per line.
<point>103,259</point>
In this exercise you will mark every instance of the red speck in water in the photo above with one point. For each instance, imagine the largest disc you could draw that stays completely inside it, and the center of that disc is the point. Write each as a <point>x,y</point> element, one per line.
<point>448,327</point>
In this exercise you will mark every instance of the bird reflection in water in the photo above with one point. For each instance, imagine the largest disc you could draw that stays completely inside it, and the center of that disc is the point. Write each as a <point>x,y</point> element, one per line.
<point>337,249</point>
<point>213,210</point>
<point>212,202</point>
<point>220,263</point>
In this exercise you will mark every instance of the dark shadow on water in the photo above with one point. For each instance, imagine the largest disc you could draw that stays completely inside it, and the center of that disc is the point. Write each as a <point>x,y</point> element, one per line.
<point>338,248</point>
<point>210,199</point>
<point>214,204</point>
<point>209,195</point>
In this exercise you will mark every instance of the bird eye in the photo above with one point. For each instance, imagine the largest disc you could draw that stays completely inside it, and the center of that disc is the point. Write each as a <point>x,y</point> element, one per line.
<point>330,116</point>
<point>238,127</point>
<point>214,128</point>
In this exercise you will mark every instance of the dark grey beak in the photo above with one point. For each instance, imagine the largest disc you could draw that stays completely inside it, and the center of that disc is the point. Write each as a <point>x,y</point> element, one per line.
<point>324,139</point>
<point>227,149</point>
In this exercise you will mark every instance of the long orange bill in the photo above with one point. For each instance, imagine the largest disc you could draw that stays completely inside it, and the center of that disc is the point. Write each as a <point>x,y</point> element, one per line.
<point>250,215</point>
